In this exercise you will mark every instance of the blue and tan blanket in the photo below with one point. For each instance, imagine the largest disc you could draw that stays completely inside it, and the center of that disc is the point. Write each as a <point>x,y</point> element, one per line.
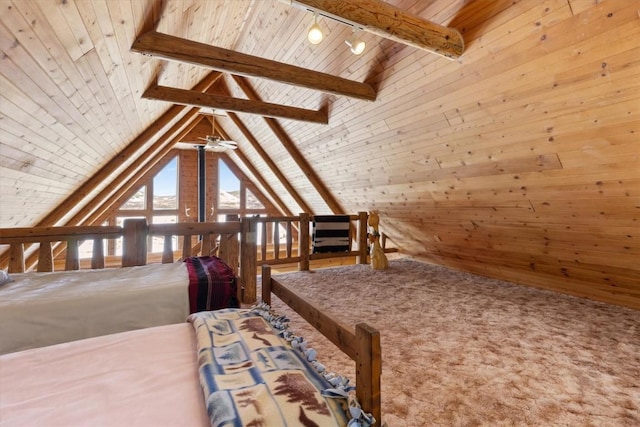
<point>251,376</point>
<point>212,284</point>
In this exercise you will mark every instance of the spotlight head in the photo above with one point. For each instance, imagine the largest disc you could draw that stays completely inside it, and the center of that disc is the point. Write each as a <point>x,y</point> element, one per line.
<point>315,35</point>
<point>355,43</point>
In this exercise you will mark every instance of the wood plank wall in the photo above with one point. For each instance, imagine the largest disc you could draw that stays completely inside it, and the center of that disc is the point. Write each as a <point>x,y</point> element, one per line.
<point>529,169</point>
<point>520,161</point>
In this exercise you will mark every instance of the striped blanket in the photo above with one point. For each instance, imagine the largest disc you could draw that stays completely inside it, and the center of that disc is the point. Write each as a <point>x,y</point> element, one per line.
<point>212,284</point>
<point>331,233</point>
<point>251,376</point>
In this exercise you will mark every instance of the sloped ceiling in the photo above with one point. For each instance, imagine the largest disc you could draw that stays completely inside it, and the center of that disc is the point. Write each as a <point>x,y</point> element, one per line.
<point>518,160</point>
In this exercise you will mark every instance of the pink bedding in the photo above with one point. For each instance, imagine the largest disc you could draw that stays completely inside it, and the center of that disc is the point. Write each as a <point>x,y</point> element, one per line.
<point>144,377</point>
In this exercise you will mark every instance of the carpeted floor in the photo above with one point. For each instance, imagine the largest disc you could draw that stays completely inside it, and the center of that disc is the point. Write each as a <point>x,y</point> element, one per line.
<point>463,350</point>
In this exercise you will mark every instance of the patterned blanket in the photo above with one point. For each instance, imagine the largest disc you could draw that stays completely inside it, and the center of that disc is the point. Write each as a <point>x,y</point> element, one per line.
<point>212,284</point>
<point>251,376</point>
<point>331,233</point>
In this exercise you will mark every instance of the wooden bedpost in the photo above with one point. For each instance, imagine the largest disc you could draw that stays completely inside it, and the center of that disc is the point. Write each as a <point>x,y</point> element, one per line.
<point>303,242</point>
<point>369,370</point>
<point>134,242</point>
<point>248,255</point>
<point>266,284</point>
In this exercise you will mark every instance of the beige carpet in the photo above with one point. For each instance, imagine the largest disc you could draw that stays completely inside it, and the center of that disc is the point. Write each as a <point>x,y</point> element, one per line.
<point>462,350</point>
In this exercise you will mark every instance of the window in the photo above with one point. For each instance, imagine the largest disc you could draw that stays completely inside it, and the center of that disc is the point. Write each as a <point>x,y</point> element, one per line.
<point>252,201</point>
<point>137,201</point>
<point>228,189</point>
<point>156,202</point>
<point>165,187</point>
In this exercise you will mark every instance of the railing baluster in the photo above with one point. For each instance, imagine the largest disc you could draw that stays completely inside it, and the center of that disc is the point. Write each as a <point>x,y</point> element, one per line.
<point>289,239</point>
<point>97,255</point>
<point>45,257</point>
<point>167,249</point>
<point>263,241</point>
<point>72,261</point>
<point>276,240</point>
<point>186,246</point>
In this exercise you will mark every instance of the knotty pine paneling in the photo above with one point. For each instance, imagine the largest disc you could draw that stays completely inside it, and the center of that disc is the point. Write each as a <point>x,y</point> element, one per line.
<point>518,160</point>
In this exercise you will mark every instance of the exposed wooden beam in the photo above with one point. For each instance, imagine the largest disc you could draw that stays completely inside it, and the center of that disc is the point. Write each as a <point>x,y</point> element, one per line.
<point>174,48</point>
<point>385,20</point>
<point>238,105</point>
<point>293,151</point>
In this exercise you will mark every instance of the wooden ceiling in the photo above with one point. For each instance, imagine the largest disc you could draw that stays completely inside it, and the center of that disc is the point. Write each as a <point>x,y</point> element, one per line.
<point>517,159</point>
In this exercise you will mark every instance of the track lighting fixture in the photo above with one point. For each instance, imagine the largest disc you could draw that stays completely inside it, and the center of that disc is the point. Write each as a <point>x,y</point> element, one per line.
<point>355,43</point>
<point>315,32</point>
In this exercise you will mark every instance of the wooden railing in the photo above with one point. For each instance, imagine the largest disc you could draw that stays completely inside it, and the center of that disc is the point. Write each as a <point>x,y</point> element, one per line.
<point>233,241</point>
<point>56,241</point>
<point>295,245</point>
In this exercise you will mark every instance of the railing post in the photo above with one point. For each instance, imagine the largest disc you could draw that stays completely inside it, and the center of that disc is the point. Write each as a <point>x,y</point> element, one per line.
<point>134,242</point>
<point>362,238</point>
<point>303,242</point>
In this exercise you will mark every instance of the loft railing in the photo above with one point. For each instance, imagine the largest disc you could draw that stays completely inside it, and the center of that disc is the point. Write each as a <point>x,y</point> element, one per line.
<point>287,240</point>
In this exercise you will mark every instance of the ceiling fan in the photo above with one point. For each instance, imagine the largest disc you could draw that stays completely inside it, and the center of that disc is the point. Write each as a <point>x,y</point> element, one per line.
<point>215,142</point>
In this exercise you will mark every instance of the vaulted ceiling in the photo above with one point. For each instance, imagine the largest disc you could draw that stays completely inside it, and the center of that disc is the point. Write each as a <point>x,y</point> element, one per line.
<point>510,159</point>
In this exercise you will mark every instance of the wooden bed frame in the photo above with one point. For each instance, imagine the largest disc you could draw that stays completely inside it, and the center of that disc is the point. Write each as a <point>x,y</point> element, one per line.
<point>362,346</point>
<point>235,242</point>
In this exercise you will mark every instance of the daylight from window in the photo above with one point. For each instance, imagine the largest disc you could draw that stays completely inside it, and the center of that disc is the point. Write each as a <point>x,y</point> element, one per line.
<point>229,191</point>
<point>165,187</point>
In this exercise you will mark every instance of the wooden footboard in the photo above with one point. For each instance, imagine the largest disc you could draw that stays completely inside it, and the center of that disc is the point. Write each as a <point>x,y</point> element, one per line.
<point>362,346</point>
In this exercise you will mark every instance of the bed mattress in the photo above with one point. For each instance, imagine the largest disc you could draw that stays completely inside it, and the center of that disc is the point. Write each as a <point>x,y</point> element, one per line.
<point>145,377</point>
<point>40,309</point>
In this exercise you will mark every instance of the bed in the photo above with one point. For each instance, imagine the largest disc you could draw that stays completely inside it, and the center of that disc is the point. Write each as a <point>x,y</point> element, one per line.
<point>40,308</point>
<point>153,376</point>
<point>46,307</point>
